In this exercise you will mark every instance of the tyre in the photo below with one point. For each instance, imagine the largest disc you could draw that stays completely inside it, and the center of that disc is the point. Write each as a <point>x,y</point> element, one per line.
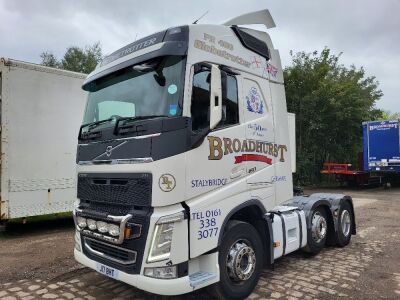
<point>317,234</point>
<point>240,261</point>
<point>345,225</point>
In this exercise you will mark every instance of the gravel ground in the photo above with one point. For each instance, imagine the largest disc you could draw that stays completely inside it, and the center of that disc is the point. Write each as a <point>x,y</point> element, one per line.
<point>36,262</point>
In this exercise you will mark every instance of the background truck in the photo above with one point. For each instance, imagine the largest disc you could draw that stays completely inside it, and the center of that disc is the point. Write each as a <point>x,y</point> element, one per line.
<point>381,147</point>
<point>185,162</point>
<point>379,161</point>
<point>41,109</point>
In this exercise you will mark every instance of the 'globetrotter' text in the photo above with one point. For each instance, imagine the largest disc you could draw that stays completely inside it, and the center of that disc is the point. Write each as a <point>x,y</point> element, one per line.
<point>220,147</point>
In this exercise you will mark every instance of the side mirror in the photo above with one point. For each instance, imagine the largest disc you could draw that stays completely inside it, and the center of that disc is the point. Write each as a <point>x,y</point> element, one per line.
<point>215,97</point>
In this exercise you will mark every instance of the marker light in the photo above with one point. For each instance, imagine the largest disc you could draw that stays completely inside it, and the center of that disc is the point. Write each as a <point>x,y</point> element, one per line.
<point>102,226</point>
<point>91,224</point>
<point>113,229</point>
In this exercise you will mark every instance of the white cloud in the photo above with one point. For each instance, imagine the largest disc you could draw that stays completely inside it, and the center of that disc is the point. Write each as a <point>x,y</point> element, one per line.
<point>366,31</point>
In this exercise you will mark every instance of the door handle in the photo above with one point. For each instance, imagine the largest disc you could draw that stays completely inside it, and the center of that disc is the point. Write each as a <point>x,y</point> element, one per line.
<point>237,173</point>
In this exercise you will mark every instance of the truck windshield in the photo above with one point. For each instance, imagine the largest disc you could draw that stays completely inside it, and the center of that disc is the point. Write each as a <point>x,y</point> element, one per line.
<point>152,88</point>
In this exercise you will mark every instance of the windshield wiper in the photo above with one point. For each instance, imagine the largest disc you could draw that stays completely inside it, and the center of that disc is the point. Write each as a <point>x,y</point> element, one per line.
<point>93,125</point>
<point>127,122</point>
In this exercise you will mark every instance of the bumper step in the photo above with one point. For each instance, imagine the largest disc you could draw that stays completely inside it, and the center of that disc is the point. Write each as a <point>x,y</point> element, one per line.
<point>199,278</point>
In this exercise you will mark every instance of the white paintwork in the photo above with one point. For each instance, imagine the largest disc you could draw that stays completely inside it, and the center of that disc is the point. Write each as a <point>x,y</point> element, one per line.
<point>161,286</point>
<point>41,111</point>
<point>257,17</point>
<point>215,97</point>
<point>292,139</point>
<point>269,183</point>
<point>292,231</point>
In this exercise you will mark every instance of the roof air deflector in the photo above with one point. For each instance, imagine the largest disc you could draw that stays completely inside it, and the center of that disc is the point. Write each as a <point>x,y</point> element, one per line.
<point>258,17</point>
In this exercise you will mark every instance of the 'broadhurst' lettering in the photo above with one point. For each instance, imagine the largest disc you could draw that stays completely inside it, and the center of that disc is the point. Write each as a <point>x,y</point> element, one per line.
<point>220,147</point>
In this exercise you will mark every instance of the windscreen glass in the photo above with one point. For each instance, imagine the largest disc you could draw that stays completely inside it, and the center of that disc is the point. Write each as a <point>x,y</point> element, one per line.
<point>153,88</point>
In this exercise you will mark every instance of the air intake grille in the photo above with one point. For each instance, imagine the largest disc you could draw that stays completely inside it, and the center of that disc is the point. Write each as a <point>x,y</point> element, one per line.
<point>118,190</point>
<point>110,252</point>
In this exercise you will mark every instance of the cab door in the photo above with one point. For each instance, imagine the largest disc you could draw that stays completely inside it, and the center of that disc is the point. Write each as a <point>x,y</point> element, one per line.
<point>259,131</point>
<point>211,164</point>
<point>214,183</point>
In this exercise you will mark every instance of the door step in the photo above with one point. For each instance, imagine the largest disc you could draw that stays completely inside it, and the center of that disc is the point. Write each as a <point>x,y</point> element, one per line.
<point>199,278</point>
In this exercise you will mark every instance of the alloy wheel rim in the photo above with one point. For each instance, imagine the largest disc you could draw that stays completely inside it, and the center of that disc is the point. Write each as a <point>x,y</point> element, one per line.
<point>241,261</point>
<point>345,222</point>
<point>319,227</point>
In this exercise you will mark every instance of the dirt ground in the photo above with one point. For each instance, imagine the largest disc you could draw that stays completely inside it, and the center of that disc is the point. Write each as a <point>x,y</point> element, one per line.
<point>36,261</point>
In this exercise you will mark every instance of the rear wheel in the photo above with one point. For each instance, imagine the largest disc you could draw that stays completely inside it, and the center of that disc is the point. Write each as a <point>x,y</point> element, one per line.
<point>345,226</point>
<point>316,235</point>
<point>240,261</point>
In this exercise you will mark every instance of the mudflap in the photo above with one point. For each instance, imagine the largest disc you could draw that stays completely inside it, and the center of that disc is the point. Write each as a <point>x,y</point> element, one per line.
<point>331,203</point>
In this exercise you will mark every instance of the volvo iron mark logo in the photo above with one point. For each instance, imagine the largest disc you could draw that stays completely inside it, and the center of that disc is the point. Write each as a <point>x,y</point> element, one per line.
<point>109,150</point>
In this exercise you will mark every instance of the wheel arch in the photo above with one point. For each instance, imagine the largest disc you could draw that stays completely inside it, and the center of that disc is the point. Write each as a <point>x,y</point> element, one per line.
<point>253,212</point>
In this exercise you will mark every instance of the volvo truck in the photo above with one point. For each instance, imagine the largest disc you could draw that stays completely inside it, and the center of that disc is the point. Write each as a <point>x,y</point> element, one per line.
<point>185,161</point>
<point>41,109</point>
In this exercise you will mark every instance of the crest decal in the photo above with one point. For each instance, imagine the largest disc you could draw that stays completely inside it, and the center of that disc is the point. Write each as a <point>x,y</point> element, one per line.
<point>254,101</point>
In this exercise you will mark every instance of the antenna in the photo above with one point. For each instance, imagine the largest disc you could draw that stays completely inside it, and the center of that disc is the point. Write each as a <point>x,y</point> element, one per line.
<point>195,22</point>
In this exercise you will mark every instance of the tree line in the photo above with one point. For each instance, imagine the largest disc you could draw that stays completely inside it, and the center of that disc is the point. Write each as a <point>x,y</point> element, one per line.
<point>329,99</point>
<point>83,60</point>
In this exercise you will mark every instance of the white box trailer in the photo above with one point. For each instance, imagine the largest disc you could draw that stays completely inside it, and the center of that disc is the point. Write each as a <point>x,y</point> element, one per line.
<point>41,109</point>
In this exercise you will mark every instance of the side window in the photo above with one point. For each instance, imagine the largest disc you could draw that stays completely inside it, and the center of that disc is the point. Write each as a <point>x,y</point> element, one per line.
<point>230,106</point>
<point>200,109</point>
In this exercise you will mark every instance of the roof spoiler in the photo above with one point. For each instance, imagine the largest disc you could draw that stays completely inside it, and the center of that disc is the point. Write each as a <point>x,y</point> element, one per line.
<point>257,17</point>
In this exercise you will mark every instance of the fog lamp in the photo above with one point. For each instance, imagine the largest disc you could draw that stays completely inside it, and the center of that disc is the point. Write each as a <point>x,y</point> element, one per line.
<point>169,272</point>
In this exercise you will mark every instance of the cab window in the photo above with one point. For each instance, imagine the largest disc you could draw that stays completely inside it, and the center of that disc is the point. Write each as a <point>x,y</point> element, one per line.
<point>200,108</point>
<point>230,106</point>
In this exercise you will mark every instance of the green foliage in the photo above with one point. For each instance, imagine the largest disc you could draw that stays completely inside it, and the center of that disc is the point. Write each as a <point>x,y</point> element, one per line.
<point>75,59</point>
<point>49,60</point>
<point>330,102</point>
<point>388,115</point>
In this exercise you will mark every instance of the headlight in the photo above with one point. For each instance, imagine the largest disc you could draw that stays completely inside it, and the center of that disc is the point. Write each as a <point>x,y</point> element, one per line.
<point>162,238</point>
<point>102,226</point>
<point>161,244</point>
<point>91,224</point>
<point>81,222</point>
<point>113,229</point>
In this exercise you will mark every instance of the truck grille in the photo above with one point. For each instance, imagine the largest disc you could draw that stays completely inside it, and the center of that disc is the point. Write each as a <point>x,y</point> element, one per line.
<point>120,192</point>
<point>110,252</point>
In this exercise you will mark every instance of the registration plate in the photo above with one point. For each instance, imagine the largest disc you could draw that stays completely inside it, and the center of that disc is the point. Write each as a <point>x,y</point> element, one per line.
<point>106,270</point>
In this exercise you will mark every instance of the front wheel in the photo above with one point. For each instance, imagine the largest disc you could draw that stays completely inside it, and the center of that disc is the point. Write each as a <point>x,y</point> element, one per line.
<point>240,261</point>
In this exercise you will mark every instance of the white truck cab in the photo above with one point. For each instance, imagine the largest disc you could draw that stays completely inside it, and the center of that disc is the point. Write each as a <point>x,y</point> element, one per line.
<point>185,161</point>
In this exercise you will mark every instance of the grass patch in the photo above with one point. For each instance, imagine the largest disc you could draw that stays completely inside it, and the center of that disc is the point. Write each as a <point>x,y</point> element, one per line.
<point>37,224</point>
